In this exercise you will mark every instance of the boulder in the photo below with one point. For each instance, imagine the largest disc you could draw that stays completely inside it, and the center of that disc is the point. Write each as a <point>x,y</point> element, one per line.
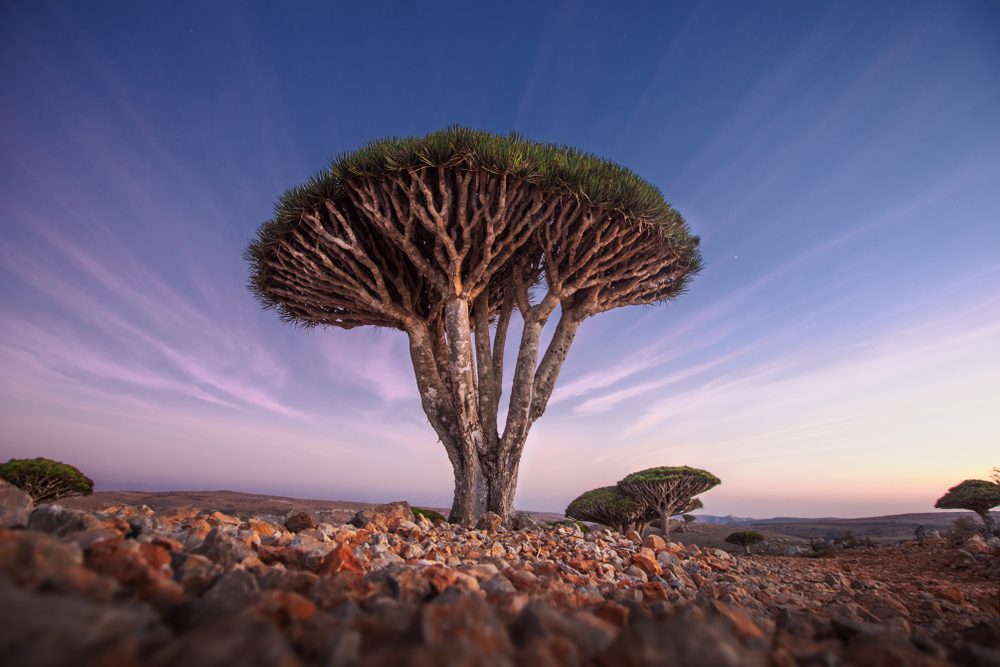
<point>58,520</point>
<point>15,506</point>
<point>58,631</point>
<point>387,516</point>
<point>299,521</point>
<point>490,522</point>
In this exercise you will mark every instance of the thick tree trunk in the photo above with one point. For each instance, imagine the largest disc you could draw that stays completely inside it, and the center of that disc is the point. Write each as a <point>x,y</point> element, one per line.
<point>665,520</point>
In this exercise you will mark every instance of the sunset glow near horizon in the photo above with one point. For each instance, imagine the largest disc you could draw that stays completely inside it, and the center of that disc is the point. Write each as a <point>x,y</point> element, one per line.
<point>839,355</point>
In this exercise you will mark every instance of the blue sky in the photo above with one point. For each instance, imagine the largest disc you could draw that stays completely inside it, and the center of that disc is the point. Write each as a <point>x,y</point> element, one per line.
<point>838,355</point>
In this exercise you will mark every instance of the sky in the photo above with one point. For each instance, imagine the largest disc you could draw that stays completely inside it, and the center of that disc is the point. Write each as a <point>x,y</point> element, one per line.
<point>839,354</point>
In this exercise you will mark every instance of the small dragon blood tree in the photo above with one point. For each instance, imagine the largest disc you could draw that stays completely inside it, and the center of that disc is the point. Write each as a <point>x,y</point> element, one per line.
<point>607,505</point>
<point>668,490</point>
<point>976,495</point>
<point>446,237</point>
<point>46,480</point>
<point>745,539</point>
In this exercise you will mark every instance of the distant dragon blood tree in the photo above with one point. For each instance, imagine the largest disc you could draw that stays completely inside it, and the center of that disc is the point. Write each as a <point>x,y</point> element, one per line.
<point>46,480</point>
<point>976,495</point>
<point>445,237</point>
<point>668,490</point>
<point>607,505</point>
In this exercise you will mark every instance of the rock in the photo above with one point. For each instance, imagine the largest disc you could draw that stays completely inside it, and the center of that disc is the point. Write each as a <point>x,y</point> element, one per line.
<point>15,506</point>
<point>231,641</point>
<point>587,633</point>
<point>655,542</point>
<point>138,566</point>
<point>57,631</point>
<point>498,585</point>
<point>647,564</point>
<point>679,641</point>
<point>633,536</point>
<point>196,573</point>
<point>972,655</point>
<point>28,558</point>
<point>490,522</point>
<point>976,544</point>
<point>299,521</point>
<point>339,559</point>
<point>523,521</point>
<point>455,617</point>
<point>234,591</point>
<point>58,520</point>
<point>387,516</point>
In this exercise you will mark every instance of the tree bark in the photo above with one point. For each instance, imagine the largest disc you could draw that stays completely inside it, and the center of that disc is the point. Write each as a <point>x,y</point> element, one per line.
<point>665,520</point>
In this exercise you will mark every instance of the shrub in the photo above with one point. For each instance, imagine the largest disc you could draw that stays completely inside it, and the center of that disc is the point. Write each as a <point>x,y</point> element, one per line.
<point>607,505</point>
<point>430,515</point>
<point>571,523</point>
<point>976,495</point>
<point>745,538</point>
<point>963,528</point>
<point>46,480</point>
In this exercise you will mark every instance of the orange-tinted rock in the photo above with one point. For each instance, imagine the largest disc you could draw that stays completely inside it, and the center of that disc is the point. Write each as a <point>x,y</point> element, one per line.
<point>647,564</point>
<point>655,542</point>
<point>340,559</point>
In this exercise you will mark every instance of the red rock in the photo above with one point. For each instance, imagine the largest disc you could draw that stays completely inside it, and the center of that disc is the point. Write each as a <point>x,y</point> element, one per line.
<point>299,521</point>
<point>387,516</point>
<point>455,616</point>
<point>283,607</point>
<point>15,506</point>
<point>612,612</point>
<point>489,522</point>
<point>28,558</point>
<point>655,542</point>
<point>647,564</point>
<point>340,558</point>
<point>220,519</point>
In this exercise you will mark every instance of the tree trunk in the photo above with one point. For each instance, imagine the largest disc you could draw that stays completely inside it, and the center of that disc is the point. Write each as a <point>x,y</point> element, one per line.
<point>469,501</point>
<point>665,520</point>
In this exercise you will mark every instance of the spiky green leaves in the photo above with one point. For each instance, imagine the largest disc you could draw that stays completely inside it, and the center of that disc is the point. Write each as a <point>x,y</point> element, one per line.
<point>669,474</point>
<point>607,505</point>
<point>977,495</point>
<point>46,480</point>
<point>557,169</point>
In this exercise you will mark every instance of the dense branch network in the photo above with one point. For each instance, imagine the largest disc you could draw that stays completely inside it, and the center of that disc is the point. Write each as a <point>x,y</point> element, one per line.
<point>447,237</point>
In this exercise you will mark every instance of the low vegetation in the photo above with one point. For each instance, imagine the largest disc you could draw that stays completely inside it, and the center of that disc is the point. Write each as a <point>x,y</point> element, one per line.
<point>46,480</point>
<point>646,497</point>
<point>745,539</point>
<point>976,495</point>
<point>430,515</point>
<point>608,505</point>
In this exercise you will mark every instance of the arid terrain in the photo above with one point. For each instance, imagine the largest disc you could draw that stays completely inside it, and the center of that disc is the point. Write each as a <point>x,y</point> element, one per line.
<point>140,579</point>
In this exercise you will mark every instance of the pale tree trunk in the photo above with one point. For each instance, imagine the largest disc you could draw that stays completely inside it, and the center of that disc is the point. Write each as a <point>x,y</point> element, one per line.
<point>459,375</point>
<point>665,520</point>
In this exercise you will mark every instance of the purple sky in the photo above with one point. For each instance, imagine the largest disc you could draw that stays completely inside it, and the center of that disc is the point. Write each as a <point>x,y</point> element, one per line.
<point>839,354</point>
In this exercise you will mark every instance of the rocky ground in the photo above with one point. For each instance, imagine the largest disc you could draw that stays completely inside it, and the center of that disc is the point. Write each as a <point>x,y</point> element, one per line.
<point>125,585</point>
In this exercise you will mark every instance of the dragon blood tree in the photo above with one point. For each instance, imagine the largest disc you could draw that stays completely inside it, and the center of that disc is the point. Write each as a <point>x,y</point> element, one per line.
<point>668,490</point>
<point>446,237</point>
<point>607,505</point>
<point>976,495</point>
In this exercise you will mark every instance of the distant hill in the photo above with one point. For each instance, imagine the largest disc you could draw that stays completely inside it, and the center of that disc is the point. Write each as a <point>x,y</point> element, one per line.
<point>887,528</point>
<point>891,527</point>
